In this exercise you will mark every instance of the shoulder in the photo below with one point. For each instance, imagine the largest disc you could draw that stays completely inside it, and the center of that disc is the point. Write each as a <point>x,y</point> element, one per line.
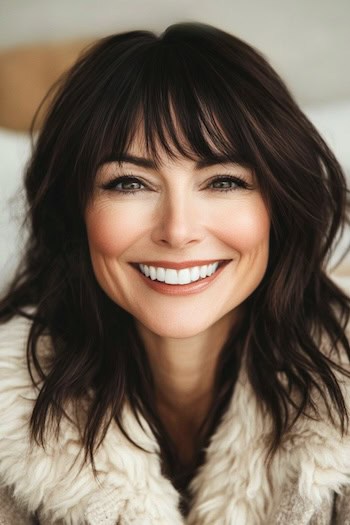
<point>17,398</point>
<point>14,375</point>
<point>14,335</point>
<point>13,363</point>
<point>17,392</point>
<point>57,466</point>
<point>318,448</point>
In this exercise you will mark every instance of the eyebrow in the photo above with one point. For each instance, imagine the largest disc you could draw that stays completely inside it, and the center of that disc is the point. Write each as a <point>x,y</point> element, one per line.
<point>150,164</point>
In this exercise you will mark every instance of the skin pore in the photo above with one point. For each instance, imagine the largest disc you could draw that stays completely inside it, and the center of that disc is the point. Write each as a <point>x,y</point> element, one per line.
<point>178,214</point>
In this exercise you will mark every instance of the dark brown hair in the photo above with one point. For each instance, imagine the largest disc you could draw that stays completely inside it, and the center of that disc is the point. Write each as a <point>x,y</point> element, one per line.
<point>219,86</point>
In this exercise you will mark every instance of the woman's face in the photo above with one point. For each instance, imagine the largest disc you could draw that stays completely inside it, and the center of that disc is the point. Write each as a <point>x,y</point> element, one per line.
<point>179,214</point>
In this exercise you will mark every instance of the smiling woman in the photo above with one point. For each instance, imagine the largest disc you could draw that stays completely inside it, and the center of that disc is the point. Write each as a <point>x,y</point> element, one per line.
<point>172,349</point>
<point>170,223</point>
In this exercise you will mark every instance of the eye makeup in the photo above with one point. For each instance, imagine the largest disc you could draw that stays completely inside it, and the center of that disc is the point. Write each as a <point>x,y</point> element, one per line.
<point>233,183</point>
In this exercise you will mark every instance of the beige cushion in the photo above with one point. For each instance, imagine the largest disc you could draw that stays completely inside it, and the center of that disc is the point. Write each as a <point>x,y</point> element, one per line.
<point>27,73</point>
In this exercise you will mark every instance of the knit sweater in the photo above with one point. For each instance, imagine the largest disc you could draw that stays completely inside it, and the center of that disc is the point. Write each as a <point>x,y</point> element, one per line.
<point>308,482</point>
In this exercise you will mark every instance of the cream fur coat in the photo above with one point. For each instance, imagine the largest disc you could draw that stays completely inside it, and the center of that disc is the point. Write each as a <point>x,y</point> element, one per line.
<point>309,482</point>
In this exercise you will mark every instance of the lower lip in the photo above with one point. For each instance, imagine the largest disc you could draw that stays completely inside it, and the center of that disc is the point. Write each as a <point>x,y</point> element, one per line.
<point>181,289</point>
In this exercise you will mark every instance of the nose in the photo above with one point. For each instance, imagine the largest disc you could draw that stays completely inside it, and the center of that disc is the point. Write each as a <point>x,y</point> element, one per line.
<point>178,220</point>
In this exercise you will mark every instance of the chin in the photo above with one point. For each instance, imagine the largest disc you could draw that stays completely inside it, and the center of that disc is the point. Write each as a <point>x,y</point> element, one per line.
<point>175,330</point>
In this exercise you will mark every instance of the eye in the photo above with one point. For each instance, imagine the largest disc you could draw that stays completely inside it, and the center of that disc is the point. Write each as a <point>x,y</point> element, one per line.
<point>124,184</point>
<point>229,183</point>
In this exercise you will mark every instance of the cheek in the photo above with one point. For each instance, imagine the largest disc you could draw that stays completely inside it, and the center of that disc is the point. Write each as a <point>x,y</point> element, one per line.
<point>111,231</point>
<point>249,227</point>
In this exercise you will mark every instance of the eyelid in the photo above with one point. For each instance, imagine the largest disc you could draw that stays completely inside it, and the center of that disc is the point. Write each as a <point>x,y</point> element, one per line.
<point>117,178</point>
<point>121,178</point>
<point>233,177</point>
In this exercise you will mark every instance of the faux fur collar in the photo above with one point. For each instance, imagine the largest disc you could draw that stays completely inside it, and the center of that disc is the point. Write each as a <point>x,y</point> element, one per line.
<point>233,486</point>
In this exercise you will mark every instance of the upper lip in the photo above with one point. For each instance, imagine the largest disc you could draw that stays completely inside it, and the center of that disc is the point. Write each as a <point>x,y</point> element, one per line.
<point>179,266</point>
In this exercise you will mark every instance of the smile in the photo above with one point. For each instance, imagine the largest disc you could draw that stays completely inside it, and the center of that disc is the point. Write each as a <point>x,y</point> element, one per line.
<point>178,283</point>
<point>176,277</point>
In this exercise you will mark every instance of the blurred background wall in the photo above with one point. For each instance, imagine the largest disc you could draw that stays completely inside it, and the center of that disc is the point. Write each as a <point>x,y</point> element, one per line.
<point>306,40</point>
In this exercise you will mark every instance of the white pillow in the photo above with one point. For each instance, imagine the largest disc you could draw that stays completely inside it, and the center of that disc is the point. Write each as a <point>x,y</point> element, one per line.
<point>333,122</point>
<point>14,152</point>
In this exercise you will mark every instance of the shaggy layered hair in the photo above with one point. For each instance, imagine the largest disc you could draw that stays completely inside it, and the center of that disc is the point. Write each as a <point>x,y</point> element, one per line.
<point>218,87</point>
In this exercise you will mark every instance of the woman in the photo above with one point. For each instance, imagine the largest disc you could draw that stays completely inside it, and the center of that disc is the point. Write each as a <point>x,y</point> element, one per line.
<point>172,349</point>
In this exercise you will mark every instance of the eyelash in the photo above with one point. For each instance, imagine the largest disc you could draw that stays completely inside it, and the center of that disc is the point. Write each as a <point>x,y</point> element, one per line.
<point>111,185</point>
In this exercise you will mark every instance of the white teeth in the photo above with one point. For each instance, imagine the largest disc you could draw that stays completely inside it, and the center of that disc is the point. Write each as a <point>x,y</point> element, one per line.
<point>171,276</point>
<point>144,269</point>
<point>184,276</point>
<point>161,275</point>
<point>195,273</point>
<point>203,271</point>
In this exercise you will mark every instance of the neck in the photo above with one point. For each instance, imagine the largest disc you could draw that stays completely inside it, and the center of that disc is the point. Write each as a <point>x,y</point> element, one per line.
<point>184,369</point>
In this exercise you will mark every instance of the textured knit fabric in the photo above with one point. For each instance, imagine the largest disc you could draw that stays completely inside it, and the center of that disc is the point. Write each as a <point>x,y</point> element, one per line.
<point>308,483</point>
